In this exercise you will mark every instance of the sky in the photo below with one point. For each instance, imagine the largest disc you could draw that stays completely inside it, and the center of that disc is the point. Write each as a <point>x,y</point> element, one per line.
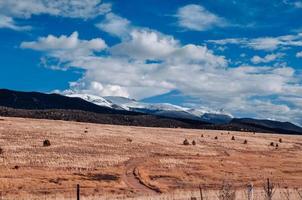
<point>240,56</point>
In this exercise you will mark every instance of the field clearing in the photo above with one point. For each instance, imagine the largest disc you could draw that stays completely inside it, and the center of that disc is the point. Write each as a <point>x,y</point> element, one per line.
<point>122,161</point>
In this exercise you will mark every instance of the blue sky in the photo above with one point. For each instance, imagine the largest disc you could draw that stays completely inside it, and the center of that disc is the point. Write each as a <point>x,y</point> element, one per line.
<point>244,57</point>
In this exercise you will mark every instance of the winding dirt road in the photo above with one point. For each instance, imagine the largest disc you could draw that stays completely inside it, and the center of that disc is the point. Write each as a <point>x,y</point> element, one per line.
<point>131,178</point>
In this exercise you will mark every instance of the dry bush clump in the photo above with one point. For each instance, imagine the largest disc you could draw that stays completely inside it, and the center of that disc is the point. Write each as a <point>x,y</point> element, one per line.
<point>269,190</point>
<point>193,142</point>
<point>227,192</point>
<point>233,137</point>
<point>186,142</point>
<point>245,142</point>
<point>272,144</point>
<point>280,140</point>
<point>201,135</point>
<point>46,143</point>
<point>1,151</point>
<point>129,140</point>
<point>216,138</point>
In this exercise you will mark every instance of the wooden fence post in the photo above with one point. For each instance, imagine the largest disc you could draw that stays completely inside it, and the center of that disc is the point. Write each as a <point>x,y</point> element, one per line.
<point>200,190</point>
<point>78,191</point>
<point>250,191</point>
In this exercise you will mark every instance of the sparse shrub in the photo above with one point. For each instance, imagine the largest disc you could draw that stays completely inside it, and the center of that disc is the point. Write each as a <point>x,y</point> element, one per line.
<point>85,131</point>
<point>186,142</point>
<point>221,133</point>
<point>202,135</point>
<point>216,138</point>
<point>272,144</point>
<point>193,142</point>
<point>228,133</point>
<point>245,142</point>
<point>269,190</point>
<point>1,150</point>
<point>46,143</point>
<point>280,140</point>
<point>129,140</point>
<point>16,167</point>
<point>227,192</point>
<point>277,145</point>
<point>233,137</point>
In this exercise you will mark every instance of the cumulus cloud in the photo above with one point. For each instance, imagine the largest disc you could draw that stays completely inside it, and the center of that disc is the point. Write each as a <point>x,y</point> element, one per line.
<point>197,18</point>
<point>69,8</point>
<point>64,48</point>
<point>114,25</point>
<point>266,59</point>
<point>21,9</point>
<point>8,22</point>
<point>146,63</point>
<point>263,43</point>
<point>298,4</point>
<point>145,44</point>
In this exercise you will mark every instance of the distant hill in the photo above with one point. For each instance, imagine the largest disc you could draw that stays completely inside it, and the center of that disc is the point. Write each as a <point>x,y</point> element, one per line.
<point>273,126</point>
<point>123,111</point>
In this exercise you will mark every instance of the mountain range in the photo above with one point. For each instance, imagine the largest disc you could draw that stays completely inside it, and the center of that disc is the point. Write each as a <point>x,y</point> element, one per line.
<point>125,111</point>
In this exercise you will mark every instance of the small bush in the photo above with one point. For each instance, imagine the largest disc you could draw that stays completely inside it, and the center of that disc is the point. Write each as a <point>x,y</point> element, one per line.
<point>129,140</point>
<point>280,140</point>
<point>227,192</point>
<point>233,137</point>
<point>85,131</point>
<point>272,144</point>
<point>186,142</point>
<point>46,143</point>
<point>1,150</point>
<point>277,145</point>
<point>202,135</point>
<point>16,167</point>
<point>193,142</point>
<point>245,142</point>
<point>216,138</point>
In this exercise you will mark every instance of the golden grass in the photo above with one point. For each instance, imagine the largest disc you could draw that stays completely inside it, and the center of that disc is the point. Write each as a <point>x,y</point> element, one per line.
<point>88,153</point>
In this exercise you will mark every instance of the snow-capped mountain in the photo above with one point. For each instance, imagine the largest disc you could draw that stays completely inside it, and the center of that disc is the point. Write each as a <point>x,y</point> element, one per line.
<point>160,109</point>
<point>100,101</point>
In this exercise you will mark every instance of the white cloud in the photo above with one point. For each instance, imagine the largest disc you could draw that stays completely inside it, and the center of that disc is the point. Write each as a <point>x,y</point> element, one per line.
<point>69,8</point>
<point>298,4</point>
<point>125,70</point>
<point>23,9</point>
<point>263,43</point>
<point>65,48</point>
<point>115,25</point>
<point>299,54</point>
<point>266,59</point>
<point>145,44</point>
<point>8,22</point>
<point>197,18</point>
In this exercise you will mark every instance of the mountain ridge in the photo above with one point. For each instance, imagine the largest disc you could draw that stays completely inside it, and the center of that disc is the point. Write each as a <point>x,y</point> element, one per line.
<point>57,106</point>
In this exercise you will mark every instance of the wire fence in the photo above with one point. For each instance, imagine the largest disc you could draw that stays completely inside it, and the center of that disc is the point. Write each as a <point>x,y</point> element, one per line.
<point>267,192</point>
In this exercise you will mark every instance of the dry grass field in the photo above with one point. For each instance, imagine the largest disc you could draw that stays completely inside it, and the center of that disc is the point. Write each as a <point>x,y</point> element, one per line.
<point>115,162</point>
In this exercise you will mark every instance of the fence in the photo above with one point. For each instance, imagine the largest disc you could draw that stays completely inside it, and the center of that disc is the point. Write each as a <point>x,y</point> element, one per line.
<point>269,191</point>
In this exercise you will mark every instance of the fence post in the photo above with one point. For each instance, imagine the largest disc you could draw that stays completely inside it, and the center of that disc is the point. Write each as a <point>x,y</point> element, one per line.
<point>78,191</point>
<point>200,190</point>
<point>250,191</point>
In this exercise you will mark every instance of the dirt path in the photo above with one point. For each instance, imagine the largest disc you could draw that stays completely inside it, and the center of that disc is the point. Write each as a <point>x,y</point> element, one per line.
<point>133,181</point>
